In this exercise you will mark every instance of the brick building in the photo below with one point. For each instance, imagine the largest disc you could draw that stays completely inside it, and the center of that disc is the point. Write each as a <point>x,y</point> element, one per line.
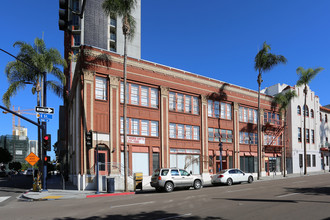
<point>175,118</point>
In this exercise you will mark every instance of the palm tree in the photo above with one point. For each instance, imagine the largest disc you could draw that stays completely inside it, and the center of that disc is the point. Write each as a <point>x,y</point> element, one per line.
<point>305,77</point>
<point>44,60</point>
<point>123,8</point>
<point>264,61</point>
<point>283,100</point>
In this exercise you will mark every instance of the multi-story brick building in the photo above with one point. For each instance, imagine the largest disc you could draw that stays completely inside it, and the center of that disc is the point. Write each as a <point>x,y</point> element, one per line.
<point>175,118</point>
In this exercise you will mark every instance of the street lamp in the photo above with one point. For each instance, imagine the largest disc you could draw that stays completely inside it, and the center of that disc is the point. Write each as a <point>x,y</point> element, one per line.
<point>220,148</point>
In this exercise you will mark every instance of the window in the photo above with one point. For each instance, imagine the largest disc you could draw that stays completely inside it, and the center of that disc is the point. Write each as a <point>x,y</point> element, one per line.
<point>326,118</point>
<point>181,131</point>
<point>248,138</point>
<point>139,95</point>
<point>76,39</point>
<point>312,137</point>
<point>314,160</point>
<point>312,113</point>
<point>272,118</point>
<point>307,135</point>
<point>248,115</point>
<point>320,117</point>
<point>298,110</point>
<point>299,134</point>
<point>155,160</point>
<point>183,103</point>
<point>213,108</point>
<point>214,134</point>
<point>100,88</point>
<point>227,136</point>
<point>140,127</point>
<point>300,160</point>
<point>225,111</point>
<point>270,140</point>
<point>308,160</point>
<point>175,173</point>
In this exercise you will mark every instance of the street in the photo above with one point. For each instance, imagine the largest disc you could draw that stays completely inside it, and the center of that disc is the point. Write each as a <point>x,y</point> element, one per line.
<point>305,197</point>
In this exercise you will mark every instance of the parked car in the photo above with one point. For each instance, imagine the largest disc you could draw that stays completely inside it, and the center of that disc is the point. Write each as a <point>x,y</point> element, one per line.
<point>28,172</point>
<point>169,178</point>
<point>230,176</point>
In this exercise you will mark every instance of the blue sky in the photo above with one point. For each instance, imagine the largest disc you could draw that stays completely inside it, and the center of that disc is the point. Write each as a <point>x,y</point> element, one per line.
<point>215,38</point>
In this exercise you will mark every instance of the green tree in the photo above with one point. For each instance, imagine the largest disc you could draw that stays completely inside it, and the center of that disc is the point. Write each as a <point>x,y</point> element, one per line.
<point>45,60</point>
<point>123,8</point>
<point>5,156</point>
<point>305,77</point>
<point>264,61</point>
<point>283,100</point>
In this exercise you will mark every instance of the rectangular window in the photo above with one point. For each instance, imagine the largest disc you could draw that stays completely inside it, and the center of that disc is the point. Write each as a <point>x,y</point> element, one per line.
<point>216,109</point>
<point>144,96</point>
<point>180,102</point>
<point>196,132</point>
<point>250,115</point>
<point>240,113</point>
<point>245,118</point>
<point>209,108</point>
<point>135,126</point>
<point>155,161</point>
<point>180,131</point>
<point>314,160</point>
<point>249,138</point>
<point>188,104</point>
<point>134,94</point>
<point>188,132</point>
<point>255,114</point>
<point>226,136</point>
<point>172,130</point>
<point>172,101</point>
<point>312,136</point>
<point>225,111</point>
<point>195,106</point>
<point>299,134</point>
<point>154,129</point>
<point>154,97</point>
<point>100,88</point>
<point>308,160</point>
<point>144,127</point>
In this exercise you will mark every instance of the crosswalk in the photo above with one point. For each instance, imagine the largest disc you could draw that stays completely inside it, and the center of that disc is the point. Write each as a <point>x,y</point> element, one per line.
<point>3,198</point>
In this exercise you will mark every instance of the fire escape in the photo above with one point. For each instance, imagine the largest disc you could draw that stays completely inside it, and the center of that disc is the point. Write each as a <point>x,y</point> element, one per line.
<point>273,129</point>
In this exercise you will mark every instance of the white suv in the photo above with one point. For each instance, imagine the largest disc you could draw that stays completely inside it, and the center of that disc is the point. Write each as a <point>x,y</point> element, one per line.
<point>170,178</point>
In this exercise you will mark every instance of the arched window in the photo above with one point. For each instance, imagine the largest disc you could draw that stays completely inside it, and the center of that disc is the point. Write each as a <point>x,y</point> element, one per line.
<point>312,113</point>
<point>298,110</point>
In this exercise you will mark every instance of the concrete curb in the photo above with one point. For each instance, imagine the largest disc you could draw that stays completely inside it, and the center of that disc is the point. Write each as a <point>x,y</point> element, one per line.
<point>110,194</point>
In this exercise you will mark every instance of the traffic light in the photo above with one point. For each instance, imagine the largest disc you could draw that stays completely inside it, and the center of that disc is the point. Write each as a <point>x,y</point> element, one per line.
<point>47,159</point>
<point>63,22</point>
<point>89,139</point>
<point>46,142</point>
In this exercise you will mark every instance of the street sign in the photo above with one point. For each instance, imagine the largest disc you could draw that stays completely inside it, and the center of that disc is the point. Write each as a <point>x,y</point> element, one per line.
<point>44,116</point>
<point>45,110</point>
<point>32,158</point>
<point>44,120</point>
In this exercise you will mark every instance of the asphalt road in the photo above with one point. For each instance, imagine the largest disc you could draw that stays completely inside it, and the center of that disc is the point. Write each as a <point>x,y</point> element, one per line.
<point>306,197</point>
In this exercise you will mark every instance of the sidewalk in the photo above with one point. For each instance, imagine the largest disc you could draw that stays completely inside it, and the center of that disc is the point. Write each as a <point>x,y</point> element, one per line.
<point>55,189</point>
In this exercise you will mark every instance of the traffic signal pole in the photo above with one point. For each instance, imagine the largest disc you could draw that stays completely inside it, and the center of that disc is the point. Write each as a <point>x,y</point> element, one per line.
<point>44,131</point>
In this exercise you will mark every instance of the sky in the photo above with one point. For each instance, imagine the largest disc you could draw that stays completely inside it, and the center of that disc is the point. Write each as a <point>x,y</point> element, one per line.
<point>215,38</point>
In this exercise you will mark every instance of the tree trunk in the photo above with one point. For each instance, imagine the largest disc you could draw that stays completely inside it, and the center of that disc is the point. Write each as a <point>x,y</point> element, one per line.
<point>305,150</point>
<point>259,131</point>
<point>125,115</point>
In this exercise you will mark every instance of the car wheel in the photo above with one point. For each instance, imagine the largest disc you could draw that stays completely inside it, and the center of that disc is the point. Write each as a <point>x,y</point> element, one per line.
<point>197,184</point>
<point>250,180</point>
<point>169,187</point>
<point>229,182</point>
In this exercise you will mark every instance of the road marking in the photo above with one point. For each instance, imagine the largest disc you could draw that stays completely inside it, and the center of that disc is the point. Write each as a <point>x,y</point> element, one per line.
<point>285,195</point>
<point>3,198</point>
<point>177,216</point>
<point>141,203</point>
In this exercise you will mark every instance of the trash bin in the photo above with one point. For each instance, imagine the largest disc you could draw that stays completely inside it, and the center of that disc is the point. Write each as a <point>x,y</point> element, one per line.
<point>138,178</point>
<point>111,185</point>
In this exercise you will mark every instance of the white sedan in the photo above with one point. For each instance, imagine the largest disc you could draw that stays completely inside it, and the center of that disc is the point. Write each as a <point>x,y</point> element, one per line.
<point>230,176</point>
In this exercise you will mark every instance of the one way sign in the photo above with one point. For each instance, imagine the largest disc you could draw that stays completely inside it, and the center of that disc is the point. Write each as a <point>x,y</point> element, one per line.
<point>45,110</point>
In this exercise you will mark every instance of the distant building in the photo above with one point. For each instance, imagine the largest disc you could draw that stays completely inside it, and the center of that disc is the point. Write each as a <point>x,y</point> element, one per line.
<point>295,130</point>
<point>324,136</point>
<point>18,146</point>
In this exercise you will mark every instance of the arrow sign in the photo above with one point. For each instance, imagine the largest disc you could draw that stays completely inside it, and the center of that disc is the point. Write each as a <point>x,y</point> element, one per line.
<point>45,110</point>
<point>44,116</point>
